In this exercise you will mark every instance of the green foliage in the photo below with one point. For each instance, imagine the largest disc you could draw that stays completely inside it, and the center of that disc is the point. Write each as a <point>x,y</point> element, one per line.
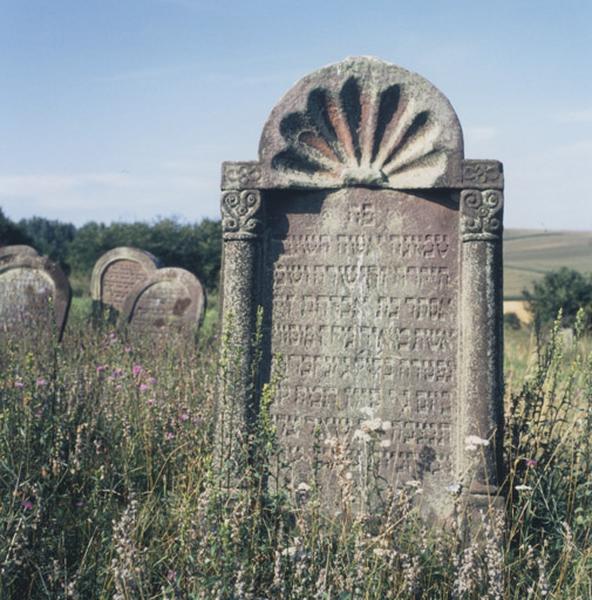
<point>50,238</point>
<point>563,290</point>
<point>195,247</point>
<point>10,233</point>
<point>512,321</point>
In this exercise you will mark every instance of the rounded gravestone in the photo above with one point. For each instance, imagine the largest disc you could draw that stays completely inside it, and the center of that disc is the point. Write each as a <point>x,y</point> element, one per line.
<point>170,300</point>
<point>117,272</point>
<point>34,296</point>
<point>8,253</point>
<point>373,248</point>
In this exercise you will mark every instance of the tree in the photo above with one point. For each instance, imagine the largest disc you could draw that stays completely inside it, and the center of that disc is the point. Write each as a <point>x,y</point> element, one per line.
<point>50,237</point>
<point>565,290</point>
<point>195,247</point>
<point>11,234</point>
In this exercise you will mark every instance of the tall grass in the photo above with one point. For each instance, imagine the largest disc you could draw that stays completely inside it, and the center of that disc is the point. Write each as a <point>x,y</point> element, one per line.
<point>108,490</point>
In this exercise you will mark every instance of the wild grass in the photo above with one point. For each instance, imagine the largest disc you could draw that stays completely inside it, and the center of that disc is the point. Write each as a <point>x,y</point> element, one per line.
<point>108,488</point>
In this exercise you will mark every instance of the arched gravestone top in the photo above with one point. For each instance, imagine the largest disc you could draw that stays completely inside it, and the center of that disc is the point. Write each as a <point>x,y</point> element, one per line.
<point>34,292</point>
<point>374,248</point>
<point>363,122</point>
<point>168,300</point>
<point>117,272</point>
<point>9,252</point>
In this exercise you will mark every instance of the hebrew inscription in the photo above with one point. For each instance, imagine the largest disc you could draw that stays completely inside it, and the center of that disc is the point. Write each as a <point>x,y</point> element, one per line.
<point>118,278</point>
<point>117,272</point>
<point>364,328</point>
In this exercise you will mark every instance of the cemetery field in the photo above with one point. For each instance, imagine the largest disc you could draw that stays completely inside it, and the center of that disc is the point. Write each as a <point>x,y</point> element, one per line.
<point>108,491</point>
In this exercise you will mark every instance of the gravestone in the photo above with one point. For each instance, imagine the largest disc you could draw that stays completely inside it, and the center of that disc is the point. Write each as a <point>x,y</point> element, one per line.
<point>169,301</point>
<point>117,272</point>
<point>34,296</point>
<point>374,250</point>
<point>7,253</point>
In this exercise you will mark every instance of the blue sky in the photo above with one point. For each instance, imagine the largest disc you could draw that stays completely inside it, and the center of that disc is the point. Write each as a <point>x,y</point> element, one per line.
<point>124,109</point>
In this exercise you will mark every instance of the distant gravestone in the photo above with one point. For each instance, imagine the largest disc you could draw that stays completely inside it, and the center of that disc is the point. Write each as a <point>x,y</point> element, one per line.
<point>34,296</point>
<point>7,253</point>
<point>170,300</point>
<point>117,272</point>
<point>374,249</point>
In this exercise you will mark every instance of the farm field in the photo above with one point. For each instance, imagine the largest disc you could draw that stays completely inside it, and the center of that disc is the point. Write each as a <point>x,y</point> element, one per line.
<point>530,253</point>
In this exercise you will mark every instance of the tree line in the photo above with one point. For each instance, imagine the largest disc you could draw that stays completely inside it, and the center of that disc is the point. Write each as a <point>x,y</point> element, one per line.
<point>192,246</point>
<point>197,248</point>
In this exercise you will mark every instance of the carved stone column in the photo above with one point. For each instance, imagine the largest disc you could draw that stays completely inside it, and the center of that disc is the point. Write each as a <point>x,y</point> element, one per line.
<point>481,377</point>
<point>242,228</point>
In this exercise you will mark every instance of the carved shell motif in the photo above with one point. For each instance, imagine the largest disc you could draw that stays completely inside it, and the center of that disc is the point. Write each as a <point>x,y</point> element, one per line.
<point>357,136</point>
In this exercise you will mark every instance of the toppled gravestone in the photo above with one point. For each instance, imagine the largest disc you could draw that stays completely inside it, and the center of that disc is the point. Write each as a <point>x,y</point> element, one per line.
<point>374,249</point>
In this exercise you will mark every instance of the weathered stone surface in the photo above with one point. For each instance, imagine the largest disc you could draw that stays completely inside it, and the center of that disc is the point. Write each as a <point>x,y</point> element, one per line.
<point>7,253</point>
<point>170,300</point>
<point>34,296</point>
<point>374,249</point>
<point>117,272</point>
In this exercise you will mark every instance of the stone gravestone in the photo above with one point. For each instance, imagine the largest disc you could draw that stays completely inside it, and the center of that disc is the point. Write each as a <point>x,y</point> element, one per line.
<point>117,272</point>
<point>34,296</point>
<point>374,249</point>
<point>7,253</point>
<point>170,300</point>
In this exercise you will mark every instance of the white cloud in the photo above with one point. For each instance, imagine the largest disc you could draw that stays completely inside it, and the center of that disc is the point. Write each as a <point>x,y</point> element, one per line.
<point>576,116</point>
<point>109,196</point>
<point>38,184</point>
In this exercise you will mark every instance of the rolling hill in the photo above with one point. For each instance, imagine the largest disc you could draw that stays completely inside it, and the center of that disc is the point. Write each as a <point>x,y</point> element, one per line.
<point>530,253</point>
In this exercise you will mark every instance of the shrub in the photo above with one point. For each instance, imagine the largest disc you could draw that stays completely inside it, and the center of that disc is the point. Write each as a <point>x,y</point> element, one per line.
<point>563,290</point>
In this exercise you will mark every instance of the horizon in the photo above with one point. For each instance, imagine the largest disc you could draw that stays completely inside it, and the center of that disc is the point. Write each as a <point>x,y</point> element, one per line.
<point>124,112</point>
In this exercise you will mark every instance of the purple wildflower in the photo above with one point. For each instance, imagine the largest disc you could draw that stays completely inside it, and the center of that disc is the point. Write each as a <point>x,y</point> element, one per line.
<point>169,435</point>
<point>27,504</point>
<point>136,370</point>
<point>41,382</point>
<point>143,387</point>
<point>19,384</point>
<point>118,372</point>
<point>151,401</point>
<point>171,575</point>
<point>152,381</point>
<point>183,417</point>
<point>531,463</point>
<point>101,368</point>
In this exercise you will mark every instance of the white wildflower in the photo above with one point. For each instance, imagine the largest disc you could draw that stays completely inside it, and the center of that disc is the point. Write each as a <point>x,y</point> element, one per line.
<point>454,488</point>
<point>414,483</point>
<point>523,488</point>
<point>362,436</point>
<point>371,425</point>
<point>475,440</point>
